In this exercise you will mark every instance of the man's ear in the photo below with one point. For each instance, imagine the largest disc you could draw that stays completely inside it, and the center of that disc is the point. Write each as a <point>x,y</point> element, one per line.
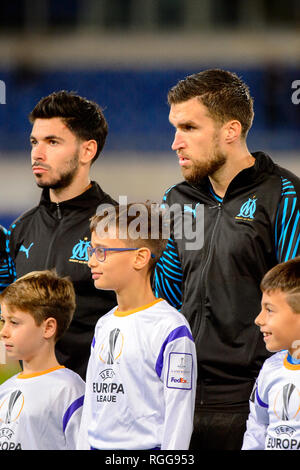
<point>88,151</point>
<point>232,131</point>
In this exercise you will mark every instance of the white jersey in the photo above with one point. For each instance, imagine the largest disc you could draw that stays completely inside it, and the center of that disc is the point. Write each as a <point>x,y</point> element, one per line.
<point>41,411</point>
<point>141,380</point>
<point>274,419</point>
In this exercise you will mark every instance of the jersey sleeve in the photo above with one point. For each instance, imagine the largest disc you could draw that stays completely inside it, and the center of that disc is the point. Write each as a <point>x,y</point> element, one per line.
<point>72,399</point>
<point>258,420</point>
<point>71,422</point>
<point>86,417</point>
<point>168,276</point>
<point>287,228</point>
<point>6,276</point>
<point>177,368</point>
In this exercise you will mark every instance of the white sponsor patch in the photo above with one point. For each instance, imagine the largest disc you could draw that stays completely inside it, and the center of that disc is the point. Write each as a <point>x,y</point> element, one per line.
<point>180,371</point>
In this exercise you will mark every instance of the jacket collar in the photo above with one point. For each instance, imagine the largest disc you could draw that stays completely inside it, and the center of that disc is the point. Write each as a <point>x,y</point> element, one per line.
<point>263,166</point>
<point>94,194</point>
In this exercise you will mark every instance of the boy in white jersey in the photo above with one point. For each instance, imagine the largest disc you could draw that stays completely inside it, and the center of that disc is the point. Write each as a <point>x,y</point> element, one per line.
<point>141,377</point>
<point>274,419</point>
<point>40,408</point>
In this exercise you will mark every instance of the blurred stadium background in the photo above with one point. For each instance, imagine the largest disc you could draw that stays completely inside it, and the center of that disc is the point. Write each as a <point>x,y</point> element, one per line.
<point>126,54</point>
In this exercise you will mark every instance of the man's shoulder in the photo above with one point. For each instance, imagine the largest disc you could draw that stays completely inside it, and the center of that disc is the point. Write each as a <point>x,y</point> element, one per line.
<point>288,178</point>
<point>269,168</point>
<point>100,195</point>
<point>109,199</point>
<point>3,233</point>
<point>180,192</point>
<point>23,218</point>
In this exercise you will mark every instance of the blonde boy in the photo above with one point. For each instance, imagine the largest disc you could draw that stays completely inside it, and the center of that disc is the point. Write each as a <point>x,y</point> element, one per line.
<point>141,375</point>
<point>274,419</point>
<point>40,408</point>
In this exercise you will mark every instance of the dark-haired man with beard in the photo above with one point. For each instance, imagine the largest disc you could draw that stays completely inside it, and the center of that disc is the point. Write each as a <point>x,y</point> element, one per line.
<point>251,222</point>
<point>68,134</point>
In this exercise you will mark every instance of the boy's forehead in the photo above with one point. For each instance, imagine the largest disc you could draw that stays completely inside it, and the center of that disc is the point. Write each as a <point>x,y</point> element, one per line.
<point>3,307</point>
<point>9,310</point>
<point>101,232</point>
<point>105,239</point>
<point>275,296</point>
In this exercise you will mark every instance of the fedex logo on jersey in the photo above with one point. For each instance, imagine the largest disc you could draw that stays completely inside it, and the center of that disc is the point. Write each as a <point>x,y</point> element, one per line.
<point>181,380</point>
<point>180,371</point>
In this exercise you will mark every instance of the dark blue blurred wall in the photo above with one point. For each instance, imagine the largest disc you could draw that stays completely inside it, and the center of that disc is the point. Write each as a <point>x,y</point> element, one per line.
<point>135,104</point>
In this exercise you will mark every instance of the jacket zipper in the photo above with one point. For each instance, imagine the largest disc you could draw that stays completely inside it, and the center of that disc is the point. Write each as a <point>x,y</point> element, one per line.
<point>54,236</point>
<point>58,211</point>
<point>206,264</point>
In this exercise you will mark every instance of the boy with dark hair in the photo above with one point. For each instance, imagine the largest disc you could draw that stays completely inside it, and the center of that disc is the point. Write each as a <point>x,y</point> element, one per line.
<point>273,422</point>
<point>40,408</point>
<point>142,370</point>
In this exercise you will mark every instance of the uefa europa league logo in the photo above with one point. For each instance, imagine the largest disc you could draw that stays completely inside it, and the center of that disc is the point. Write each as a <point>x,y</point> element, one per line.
<point>112,345</point>
<point>12,400</point>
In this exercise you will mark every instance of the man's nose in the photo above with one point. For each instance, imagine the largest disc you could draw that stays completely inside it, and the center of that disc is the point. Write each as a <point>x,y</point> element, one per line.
<point>38,152</point>
<point>178,142</point>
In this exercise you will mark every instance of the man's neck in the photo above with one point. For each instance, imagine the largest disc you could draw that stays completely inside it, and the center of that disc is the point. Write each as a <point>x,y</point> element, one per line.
<point>223,177</point>
<point>72,191</point>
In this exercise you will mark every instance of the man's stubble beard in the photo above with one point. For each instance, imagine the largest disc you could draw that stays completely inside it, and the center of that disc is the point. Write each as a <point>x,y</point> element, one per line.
<point>65,178</point>
<point>201,170</point>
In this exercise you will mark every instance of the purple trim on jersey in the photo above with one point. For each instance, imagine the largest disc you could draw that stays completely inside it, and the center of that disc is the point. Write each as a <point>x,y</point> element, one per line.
<point>260,402</point>
<point>72,408</point>
<point>93,342</point>
<point>179,332</point>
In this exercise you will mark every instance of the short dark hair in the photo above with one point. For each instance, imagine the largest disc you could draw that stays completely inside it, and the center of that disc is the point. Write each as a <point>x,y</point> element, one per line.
<point>83,118</point>
<point>285,277</point>
<point>43,294</point>
<point>146,238</point>
<point>224,94</point>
